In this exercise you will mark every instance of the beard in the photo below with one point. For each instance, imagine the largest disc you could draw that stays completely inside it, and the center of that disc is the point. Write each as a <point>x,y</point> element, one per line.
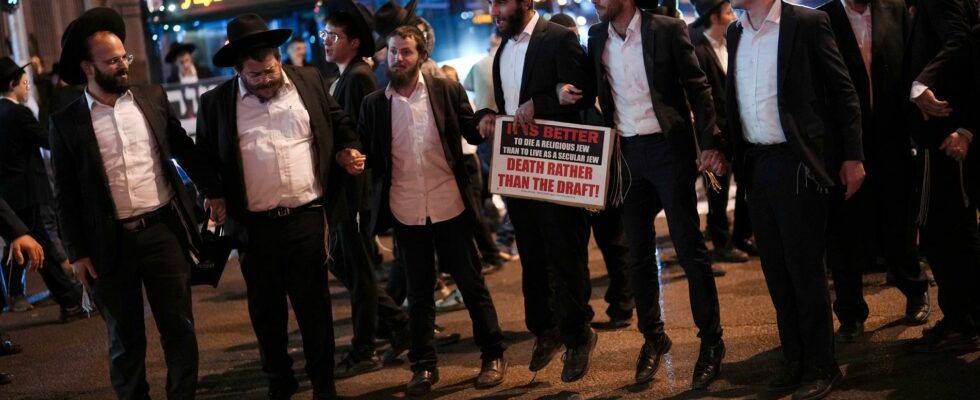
<point>405,75</point>
<point>273,86</point>
<point>116,83</point>
<point>514,22</point>
<point>609,12</point>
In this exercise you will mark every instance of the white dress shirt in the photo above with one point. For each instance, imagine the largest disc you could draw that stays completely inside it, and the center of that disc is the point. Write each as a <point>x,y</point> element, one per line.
<point>861,26</point>
<point>131,156</point>
<point>756,83</point>
<point>277,152</point>
<point>720,49</point>
<point>512,66</point>
<point>422,184</point>
<point>627,77</point>
<point>189,78</point>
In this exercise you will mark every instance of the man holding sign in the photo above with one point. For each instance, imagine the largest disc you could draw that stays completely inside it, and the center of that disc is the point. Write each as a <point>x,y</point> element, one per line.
<point>552,239</point>
<point>647,103</point>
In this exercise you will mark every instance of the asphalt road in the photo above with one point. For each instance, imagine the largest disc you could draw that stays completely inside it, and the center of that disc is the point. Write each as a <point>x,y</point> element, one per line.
<point>68,361</point>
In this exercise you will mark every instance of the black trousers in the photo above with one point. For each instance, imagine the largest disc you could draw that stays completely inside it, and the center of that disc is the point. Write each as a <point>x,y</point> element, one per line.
<point>65,292</point>
<point>658,180</point>
<point>353,266</point>
<point>452,240</point>
<point>553,243</point>
<point>607,226</point>
<point>481,233</point>
<point>155,259</point>
<point>950,239</point>
<point>789,216</point>
<point>286,257</point>
<point>718,214</point>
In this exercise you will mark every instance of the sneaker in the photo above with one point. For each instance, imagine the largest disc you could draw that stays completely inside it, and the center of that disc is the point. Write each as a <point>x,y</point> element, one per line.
<point>352,365</point>
<point>19,303</point>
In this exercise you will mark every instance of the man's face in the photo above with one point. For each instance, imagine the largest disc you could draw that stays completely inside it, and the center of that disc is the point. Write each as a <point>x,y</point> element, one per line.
<point>296,50</point>
<point>37,66</point>
<point>724,17</point>
<point>608,10</point>
<point>185,62</point>
<point>508,16</point>
<point>109,66</point>
<point>263,78</point>
<point>404,60</point>
<point>339,47</point>
<point>21,89</point>
<point>745,4</point>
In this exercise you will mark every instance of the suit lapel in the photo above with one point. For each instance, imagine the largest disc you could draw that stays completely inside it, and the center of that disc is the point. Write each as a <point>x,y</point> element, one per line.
<point>531,55</point>
<point>437,102</point>
<point>787,38</point>
<point>647,28</point>
<point>158,126</point>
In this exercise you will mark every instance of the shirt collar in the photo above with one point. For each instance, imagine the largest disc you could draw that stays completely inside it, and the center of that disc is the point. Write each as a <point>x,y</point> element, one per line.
<point>243,92</point>
<point>714,43</point>
<point>92,101</point>
<point>528,29</point>
<point>420,85</point>
<point>774,16</point>
<point>634,26</point>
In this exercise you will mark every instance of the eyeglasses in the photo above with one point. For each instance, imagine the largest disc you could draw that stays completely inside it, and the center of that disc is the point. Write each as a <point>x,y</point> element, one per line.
<point>116,60</point>
<point>333,37</point>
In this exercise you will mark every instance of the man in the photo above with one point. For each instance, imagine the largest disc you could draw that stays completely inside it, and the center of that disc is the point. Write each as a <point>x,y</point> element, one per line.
<point>387,17</point>
<point>870,35</point>
<point>650,112</point>
<point>708,38</point>
<point>346,39</point>
<point>24,184</point>
<point>552,239</point>
<point>795,122</point>
<point>296,53</point>
<point>943,133</point>
<point>274,133</point>
<point>183,69</point>
<point>127,221</point>
<point>24,249</point>
<point>412,130</point>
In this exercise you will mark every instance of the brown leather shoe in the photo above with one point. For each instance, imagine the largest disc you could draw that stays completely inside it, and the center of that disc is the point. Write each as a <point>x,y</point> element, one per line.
<point>491,373</point>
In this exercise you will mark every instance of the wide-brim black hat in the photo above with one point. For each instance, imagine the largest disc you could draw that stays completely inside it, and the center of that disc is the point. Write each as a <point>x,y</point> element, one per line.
<point>73,46</point>
<point>389,17</point>
<point>704,8</point>
<point>362,17</point>
<point>8,67</point>
<point>177,49</point>
<point>247,32</point>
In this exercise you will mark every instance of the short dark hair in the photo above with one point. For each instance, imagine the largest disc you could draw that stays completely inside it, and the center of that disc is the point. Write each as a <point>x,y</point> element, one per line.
<point>259,53</point>
<point>13,79</point>
<point>346,22</point>
<point>296,39</point>
<point>714,11</point>
<point>410,32</point>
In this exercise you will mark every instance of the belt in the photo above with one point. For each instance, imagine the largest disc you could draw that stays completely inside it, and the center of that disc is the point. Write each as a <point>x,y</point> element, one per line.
<point>146,220</point>
<point>641,137</point>
<point>753,150</point>
<point>282,212</point>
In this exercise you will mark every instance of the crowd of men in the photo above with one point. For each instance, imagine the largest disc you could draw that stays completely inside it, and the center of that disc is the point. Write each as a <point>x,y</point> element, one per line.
<point>849,130</point>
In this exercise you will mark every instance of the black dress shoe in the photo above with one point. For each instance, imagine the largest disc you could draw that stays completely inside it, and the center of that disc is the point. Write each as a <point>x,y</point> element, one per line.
<point>353,364</point>
<point>747,246</point>
<point>649,361</point>
<point>10,348</point>
<point>943,337</point>
<point>729,255</point>
<point>849,332</point>
<point>577,359</point>
<point>818,388</point>
<point>613,324</point>
<point>283,389</point>
<point>717,271</point>
<point>72,313</point>
<point>6,378</point>
<point>545,348</point>
<point>491,373</point>
<point>422,382</point>
<point>789,376</point>
<point>917,309</point>
<point>708,367</point>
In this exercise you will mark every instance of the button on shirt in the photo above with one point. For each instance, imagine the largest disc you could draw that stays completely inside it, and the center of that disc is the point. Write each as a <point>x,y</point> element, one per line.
<point>422,184</point>
<point>756,79</point>
<point>277,152</point>
<point>131,156</point>
<point>627,78</point>
<point>512,66</point>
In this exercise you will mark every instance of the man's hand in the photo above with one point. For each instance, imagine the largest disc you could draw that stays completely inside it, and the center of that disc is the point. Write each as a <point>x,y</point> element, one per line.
<point>26,248</point>
<point>352,160</point>
<point>217,209</point>
<point>956,146</point>
<point>488,126</point>
<point>524,117</point>
<point>852,176</point>
<point>568,94</point>
<point>84,270</point>
<point>930,106</point>
<point>714,161</point>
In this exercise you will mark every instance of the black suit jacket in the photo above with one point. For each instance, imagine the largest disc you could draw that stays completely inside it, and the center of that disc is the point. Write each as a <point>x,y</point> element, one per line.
<point>937,24</point>
<point>889,26</point>
<point>553,56</point>
<point>353,85</point>
<point>454,119</point>
<point>674,77</point>
<point>11,227</point>
<point>86,209</point>
<point>715,76</point>
<point>818,108</point>
<point>23,179</point>
<point>217,135</point>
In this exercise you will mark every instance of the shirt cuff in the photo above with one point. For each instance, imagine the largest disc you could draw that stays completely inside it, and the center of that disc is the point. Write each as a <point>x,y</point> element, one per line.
<point>967,133</point>
<point>917,89</point>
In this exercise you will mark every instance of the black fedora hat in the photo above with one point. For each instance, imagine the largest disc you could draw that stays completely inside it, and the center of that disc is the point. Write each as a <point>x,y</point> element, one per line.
<point>8,67</point>
<point>247,32</point>
<point>362,18</point>
<point>389,17</point>
<point>73,40</point>
<point>176,49</point>
<point>704,8</point>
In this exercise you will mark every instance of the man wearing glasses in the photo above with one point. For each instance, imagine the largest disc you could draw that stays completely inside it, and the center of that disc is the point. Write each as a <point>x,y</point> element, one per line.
<point>126,220</point>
